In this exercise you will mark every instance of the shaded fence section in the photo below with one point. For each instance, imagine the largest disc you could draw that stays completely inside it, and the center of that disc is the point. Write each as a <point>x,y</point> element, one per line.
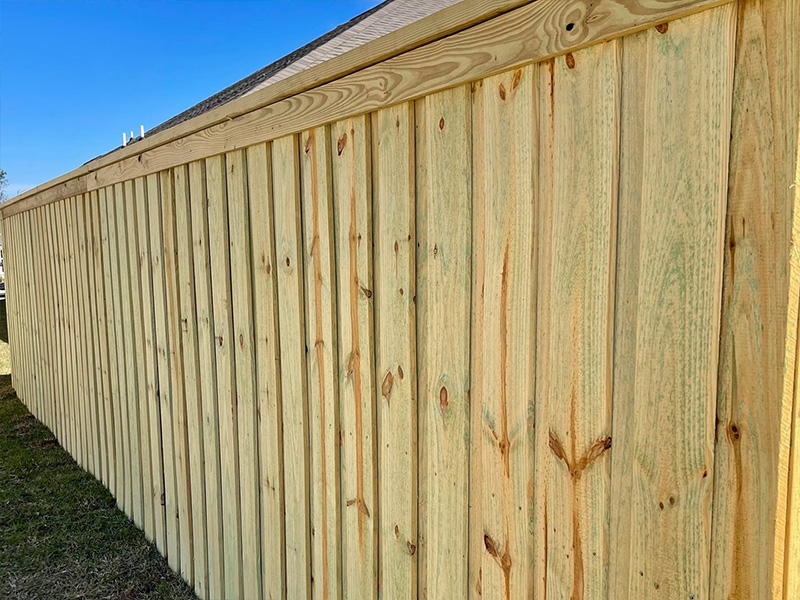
<point>524,331</point>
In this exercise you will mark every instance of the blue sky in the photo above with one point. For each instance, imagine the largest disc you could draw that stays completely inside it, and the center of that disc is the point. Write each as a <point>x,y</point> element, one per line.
<point>75,74</point>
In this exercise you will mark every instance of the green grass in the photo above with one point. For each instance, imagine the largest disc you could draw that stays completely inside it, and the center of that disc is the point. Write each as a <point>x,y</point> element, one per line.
<point>61,535</point>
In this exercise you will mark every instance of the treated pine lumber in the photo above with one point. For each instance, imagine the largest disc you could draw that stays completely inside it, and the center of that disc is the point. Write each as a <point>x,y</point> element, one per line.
<point>672,212</point>
<point>45,358</point>
<point>579,97</point>
<point>139,241</point>
<point>117,471</point>
<point>267,357</point>
<point>165,398</point>
<point>87,331</point>
<point>533,32</point>
<point>124,197</point>
<point>444,277</point>
<point>187,318</point>
<point>83,330</point>
<point>146,188</point>
<point>101,342</point>
<point>169,189</point>
<point>758,353</point>
<point>294,389</point>
<point>95,380</point>
<point>40,375</point>
<point>34,313</point>
<point>352,202</point>
<point>125,499</point>
<point>207,379</point>
<point>141,407</point>
<point>59,323</point>
<point>504,127</point>
<point>78,401</point>
<point>394,253</point>
<point>219,246</point>
<point>70,390</point>
<point>247,410</point>
<point>323,375</point>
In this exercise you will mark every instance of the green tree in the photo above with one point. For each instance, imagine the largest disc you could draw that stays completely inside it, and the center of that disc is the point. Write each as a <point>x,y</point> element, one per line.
<point>3,184</point>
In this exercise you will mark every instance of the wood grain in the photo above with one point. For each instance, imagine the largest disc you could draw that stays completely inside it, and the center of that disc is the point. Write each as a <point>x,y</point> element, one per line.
<point>140,442</point>
<point>206,358</point>
<point>100,341</point>
<point>395,347</point>
<point>187,323</point>
<point>219,248</point>
<point>170,494</point>
<point>124,455</point>
<point>117,475</point>
<point>504,127</point>
<point>352,203</point>
<point>242,309</point>
<point>323,381</point>
<point>267,360</point>
<point>755,290</point>
<point>673,203</point>
<point>294,392</point>
<point>150,394</point>
<point>579,103</point>
<point>443,279</point>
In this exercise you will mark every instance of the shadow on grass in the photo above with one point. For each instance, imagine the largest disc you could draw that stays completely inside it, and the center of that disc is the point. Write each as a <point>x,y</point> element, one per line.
<point>3,322</point>
<point>61,535</point>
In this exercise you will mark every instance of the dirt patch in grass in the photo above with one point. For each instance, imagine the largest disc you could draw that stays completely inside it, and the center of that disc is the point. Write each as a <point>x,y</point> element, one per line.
<point>61,535</point>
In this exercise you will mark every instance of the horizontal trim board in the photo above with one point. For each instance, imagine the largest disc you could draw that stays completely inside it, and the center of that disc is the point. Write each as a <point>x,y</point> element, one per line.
<point>532,33</point>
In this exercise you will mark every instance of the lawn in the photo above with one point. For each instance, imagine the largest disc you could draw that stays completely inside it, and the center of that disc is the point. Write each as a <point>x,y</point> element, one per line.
<point>61,535</point>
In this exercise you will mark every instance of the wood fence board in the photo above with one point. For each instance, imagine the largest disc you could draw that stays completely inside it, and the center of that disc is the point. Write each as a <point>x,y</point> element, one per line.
<point>294,391</point>
<point>198,204</point>
<point>504,150</point>
<point>117,476</point>
<point>580,102</point>
<point>443,280</point>
<point>125,199</point>
<point>87,331</point>
<point>187,320</point>
<point>145,190</point>
<point>394,252</point>
<point>178,398</point>
<point>322,342</point>
<point>76,334</point>
<point>141,407</point>
<point>660,543</point>
<point>165,400</point>
<point>755,283</point>
<point>121,195</point>
<point>100,345</point>
<point>352,202</point>
<point>242,305</point>
<point>267,359</point>
<point>216,189</point>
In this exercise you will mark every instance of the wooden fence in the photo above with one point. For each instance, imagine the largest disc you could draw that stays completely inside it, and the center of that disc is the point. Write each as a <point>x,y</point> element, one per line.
<point>503,305</point>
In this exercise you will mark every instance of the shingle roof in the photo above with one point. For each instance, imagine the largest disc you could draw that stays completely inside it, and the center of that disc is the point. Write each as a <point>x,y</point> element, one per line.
<point>372,24</point>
